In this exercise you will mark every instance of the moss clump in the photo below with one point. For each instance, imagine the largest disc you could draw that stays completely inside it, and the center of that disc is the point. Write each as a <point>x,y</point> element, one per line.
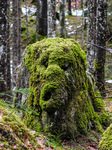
<point>106,140</point>
<point>33,38</point>
<point>62,93</point>
<point>13,132</point>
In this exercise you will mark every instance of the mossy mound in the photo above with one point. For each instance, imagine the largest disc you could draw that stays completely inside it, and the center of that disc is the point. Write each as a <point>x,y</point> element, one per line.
<point>106,140</point>
<point>13,132</point>
<point>61,91</point>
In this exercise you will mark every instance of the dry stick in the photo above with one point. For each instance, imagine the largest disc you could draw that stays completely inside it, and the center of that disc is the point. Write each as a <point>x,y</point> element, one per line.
<point>109,39</point>
<point>98,46</point>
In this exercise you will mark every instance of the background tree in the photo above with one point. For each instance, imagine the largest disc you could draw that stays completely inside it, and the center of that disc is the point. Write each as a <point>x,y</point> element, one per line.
<point>43,17</point>
<point>69,7</point>
<point>51,18</point>
<point>4,46</point>
<point>82,40</point>
<point>26,19</point>
<point>37,19</point>
<point>101,42</point>
<point>16,42</point>
<point>62,18</point>
<point>91,51</point>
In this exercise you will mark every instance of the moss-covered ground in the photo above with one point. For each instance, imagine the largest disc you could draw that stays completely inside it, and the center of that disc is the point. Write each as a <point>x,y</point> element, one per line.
<point>14,134</point>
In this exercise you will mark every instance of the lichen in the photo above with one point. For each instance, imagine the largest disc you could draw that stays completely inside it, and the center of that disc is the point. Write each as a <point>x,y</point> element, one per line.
<point>106,140</point>
<point>61,91</point>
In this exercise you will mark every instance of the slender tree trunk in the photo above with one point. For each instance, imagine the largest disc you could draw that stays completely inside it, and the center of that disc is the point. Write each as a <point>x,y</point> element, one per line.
<point>8,49</point>
<point>91,51</point>
<point>16,37</point>
<point>51,18</point>
<point>62,18</point>
<point>69,7</point>
<point>101,41</point>
<point>37,19</point>
<point>76,19</point>
<point>43,17</point>
<point>26,20</point>
<point>82,36</point>
<point>4,46</point>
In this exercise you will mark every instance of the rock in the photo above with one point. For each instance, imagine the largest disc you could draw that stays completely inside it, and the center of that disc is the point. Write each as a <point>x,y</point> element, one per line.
<point>62,97</point>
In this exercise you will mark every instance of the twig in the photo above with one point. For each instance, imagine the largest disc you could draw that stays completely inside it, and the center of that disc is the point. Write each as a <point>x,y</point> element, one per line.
<point>98,46</point>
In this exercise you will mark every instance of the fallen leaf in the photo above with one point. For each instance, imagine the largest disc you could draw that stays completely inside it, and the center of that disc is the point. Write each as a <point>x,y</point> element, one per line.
<point>25,137</point>
<point>92,147</point>
<point>28,144</point>
<point>2,145</point>
<point>40,142</point>
<point>14,146</point>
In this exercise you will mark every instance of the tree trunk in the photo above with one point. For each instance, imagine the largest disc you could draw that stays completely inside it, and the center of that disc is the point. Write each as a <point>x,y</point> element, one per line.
<point>91,51</point>
<point>4,46</point>
<point>43,17</point>
<point>76,19</point>
<point>37,19</point>
<point>16,37</point>
<point>62,18</point>
<point>51,18</point>
<point>26,20</point>
<point>82,36</point>
<point>101,41</point>
<point>69,7</point>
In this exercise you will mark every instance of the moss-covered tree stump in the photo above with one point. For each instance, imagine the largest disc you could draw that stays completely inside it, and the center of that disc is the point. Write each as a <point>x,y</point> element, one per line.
<point>106,140</point>
<point>61,92</point>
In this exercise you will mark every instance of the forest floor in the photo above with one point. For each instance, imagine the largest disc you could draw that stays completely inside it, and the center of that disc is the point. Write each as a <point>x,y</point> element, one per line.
<point>14,134</point>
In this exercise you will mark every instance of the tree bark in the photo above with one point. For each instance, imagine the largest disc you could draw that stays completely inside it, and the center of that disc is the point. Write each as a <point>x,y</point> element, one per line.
<point>69,7</point>
<point>91,51</point>
<point>16,46</point>
<point>26,20</point>
<point>37,19</point>
<point>51,18</point>
<point>82,36</point>
<point>43,17</point>
<point>101,41</point>
<point>62,18</point>
<point>76,19</point>
<point>4,47</point>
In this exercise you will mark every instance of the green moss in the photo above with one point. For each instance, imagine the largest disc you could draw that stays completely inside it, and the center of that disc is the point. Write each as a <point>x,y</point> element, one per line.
<point>33,38</point>
<point>96,64</point>
<point>62,93</point>
<point>13,131</point>
<point>106,140</point>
